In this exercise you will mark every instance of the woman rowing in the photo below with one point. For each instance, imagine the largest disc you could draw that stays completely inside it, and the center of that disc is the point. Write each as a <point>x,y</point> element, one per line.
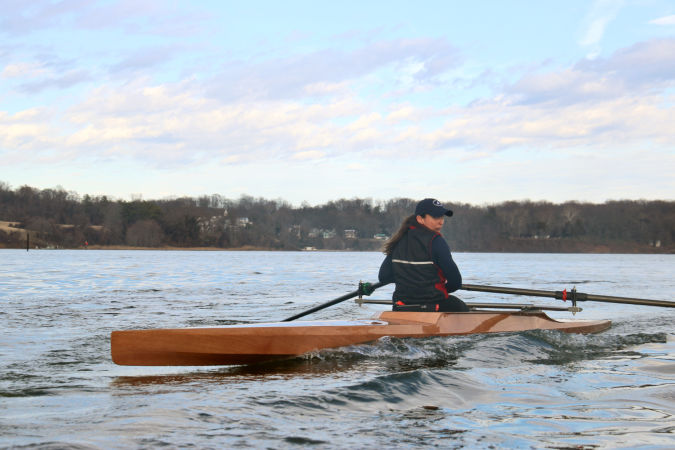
<point>419,262</point>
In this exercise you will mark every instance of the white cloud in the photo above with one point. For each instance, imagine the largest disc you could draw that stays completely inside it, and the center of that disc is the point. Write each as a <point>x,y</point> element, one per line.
<point>642,68</point>
<point>603,124</point>
<point>327,71</point>
<point>308,155</point>
<point>168,126</point>
<point>21,17</point>
<point>22,70</point>
<point>615,101</point>
<point>665,20</point>
<point>598,18</point>
<point>32,77</point>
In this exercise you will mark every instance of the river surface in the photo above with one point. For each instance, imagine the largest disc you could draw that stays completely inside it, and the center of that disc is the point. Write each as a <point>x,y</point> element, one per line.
<point>542,389</point>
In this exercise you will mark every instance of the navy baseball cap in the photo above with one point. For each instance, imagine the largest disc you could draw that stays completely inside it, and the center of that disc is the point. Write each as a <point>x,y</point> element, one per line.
<point>432,207</point>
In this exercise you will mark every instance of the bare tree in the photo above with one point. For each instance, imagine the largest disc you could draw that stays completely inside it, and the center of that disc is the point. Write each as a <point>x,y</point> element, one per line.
<point>145,233</point>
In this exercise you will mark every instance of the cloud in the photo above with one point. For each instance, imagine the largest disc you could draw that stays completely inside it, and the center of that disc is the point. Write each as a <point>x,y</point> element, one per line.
<point>295,75</point>
<point>22,70</point>
<point>632,71</point>
<point>642,65</point>
<point>308,155</point>
<point>597,20</point>
<point>27,130</point>
<point>666,20</point>
<point>28,76</point>
<point>497,125</point>
<point>60,81</point>
<point>20,17</point>
<point>149,16</point>
<point>316,112</point>
<point>144,59</point>
<point>48,79</point>
<point>165,126</point>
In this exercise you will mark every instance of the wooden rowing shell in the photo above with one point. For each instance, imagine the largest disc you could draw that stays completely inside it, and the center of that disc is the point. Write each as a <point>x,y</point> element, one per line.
<point>253,343</point>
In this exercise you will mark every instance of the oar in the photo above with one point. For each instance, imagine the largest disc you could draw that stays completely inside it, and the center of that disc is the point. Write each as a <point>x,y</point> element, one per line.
<point>360,291</point>
<point>572,295</point>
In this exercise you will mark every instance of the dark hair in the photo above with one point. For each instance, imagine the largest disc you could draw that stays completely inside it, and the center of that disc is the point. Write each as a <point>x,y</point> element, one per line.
<point>391,243</point>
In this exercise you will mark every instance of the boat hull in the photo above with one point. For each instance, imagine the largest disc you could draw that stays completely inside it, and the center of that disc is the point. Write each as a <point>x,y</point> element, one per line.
<point>254,343</point>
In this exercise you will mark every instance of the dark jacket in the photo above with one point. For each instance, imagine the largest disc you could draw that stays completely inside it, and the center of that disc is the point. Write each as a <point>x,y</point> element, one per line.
<point>421,265</point>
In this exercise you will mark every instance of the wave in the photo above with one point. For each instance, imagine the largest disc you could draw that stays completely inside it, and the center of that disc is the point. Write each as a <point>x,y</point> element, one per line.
<point>502,349</point>
<point>409,374</point>
<point>27,392</point>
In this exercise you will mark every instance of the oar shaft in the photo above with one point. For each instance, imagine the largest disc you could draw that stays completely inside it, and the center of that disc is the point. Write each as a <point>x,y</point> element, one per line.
<point>628,300</point>
<point>568,295</point>
<point>331,303</point>
<point>514,291</point>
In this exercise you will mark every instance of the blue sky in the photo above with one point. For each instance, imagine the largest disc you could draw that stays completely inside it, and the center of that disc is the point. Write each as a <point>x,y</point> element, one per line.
<point>476,102</point>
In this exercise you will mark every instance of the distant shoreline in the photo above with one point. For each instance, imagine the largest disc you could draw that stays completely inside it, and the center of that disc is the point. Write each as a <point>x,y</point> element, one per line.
<point>213,224</point>
<point>597,250</point>
<point>245,248</point>
<point>171,248</point>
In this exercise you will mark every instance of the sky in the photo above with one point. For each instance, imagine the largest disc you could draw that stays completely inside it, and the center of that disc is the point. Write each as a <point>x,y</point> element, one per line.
<point>473,102</point>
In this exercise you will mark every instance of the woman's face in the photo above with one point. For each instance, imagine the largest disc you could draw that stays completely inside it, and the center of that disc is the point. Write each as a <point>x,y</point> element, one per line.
<point>432,223</point>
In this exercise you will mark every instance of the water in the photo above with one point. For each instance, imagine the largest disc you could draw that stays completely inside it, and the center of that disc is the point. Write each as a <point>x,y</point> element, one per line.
<point>59,388</point>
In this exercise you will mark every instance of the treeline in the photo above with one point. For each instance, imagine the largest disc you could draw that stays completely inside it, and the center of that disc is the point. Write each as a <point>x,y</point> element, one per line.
<point>55,218</point>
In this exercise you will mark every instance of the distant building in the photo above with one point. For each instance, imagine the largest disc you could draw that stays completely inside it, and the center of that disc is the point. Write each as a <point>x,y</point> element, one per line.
<point>213,223</point>
<point>350,234</point>
<point>381,237</point>
<point>295,230</point>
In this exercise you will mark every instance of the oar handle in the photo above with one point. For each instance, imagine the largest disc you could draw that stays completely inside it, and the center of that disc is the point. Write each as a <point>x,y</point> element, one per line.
<point>568,295</point>
<point>337,300</point>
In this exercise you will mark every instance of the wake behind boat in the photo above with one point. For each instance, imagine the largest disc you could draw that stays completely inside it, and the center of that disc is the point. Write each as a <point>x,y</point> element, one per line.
<point>254,343</point>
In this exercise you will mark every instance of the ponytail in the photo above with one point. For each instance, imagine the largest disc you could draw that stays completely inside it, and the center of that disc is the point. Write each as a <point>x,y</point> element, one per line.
<point>405,225</point>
